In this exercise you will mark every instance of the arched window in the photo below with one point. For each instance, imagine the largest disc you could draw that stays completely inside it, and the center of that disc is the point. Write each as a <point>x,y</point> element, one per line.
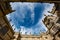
<point>3,30</point>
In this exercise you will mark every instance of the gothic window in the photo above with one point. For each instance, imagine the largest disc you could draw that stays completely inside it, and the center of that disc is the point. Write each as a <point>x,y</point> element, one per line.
<point>55,29</point>
<point>3,30</point>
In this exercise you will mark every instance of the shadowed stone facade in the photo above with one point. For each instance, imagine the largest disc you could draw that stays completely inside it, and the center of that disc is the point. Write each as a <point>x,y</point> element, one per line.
<point>6,31</point>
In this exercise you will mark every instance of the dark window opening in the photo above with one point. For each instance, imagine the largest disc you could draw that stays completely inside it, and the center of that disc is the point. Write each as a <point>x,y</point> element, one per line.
<point>58,21</point>
<point>59,35</point>
<point>7,5</point>
<point>3,30</point>
<point>1,38</point>
<point>48,22</point>
<point>46,37</point>
<point>57,6</point>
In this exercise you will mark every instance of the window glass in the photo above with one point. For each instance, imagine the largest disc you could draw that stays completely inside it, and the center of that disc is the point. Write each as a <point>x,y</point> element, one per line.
<point>3,30</point>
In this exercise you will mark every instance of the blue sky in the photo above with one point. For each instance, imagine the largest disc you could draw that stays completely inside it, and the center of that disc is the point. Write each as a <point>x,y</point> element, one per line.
<point>28,17</point>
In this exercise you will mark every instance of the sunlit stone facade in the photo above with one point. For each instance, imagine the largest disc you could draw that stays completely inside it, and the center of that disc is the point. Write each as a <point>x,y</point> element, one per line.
<point>57,36</point>
<point>52,22</point>
<point>43,36</point>
<point>16,36</point>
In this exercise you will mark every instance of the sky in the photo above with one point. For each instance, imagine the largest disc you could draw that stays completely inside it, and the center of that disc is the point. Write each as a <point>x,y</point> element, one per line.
<point>28,16</point>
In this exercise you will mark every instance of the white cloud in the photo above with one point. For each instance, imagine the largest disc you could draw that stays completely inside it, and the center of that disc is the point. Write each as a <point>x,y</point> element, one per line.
<point>22,9</point>
<point>15,4</point>
<point>28,30</point>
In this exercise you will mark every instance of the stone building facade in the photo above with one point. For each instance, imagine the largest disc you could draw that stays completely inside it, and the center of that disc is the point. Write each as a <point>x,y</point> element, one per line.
<point>6,31</point>
<point>52,22</point>
<point>52,25</point>
<point>16,36</point>
<point>56,10</point>
<point>57,36</point>
<point>42,36</point>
